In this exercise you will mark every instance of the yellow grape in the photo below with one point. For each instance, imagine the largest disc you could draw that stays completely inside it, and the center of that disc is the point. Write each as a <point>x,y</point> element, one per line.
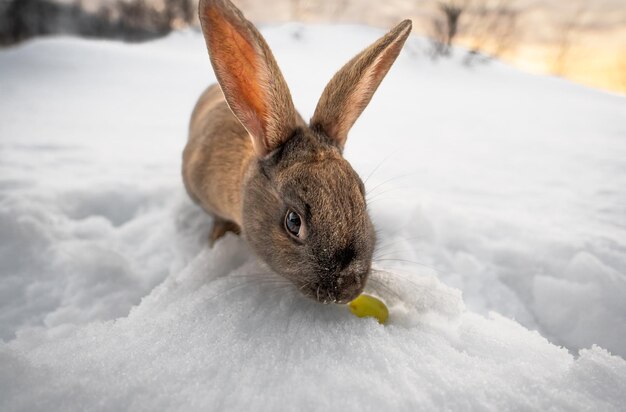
<point>369,306</point>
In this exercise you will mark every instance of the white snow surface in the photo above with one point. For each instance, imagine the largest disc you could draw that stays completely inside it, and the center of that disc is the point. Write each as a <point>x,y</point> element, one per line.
<point>499,199</point>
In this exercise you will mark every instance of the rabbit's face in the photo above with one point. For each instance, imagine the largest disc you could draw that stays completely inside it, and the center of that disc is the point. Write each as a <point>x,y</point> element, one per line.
<point>305,215</point>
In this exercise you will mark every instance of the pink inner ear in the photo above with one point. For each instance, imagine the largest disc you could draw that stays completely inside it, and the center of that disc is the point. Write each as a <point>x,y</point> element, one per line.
<point>236,63</point>
<point>253,126</point>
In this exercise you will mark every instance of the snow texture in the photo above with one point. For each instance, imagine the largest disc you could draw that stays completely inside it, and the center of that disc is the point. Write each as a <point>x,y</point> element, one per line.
<point>508,187</point>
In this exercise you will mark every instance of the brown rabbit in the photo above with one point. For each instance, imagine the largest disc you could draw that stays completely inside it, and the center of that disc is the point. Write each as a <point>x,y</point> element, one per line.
<point>254,165</point>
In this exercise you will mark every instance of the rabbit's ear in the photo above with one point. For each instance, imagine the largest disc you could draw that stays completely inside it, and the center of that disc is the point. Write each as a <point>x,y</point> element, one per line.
<point>351,88</point>
<point>252,83</point>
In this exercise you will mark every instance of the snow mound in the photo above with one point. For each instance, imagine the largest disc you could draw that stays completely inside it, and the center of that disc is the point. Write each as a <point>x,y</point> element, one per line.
<point>505,186</point>
<point>226,334</point>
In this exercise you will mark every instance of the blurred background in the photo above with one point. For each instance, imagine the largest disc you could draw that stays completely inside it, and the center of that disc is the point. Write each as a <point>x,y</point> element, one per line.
<point>582,40</point>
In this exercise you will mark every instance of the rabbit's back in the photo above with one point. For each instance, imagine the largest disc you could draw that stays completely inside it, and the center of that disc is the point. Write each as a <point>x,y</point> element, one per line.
<point>216,156</point>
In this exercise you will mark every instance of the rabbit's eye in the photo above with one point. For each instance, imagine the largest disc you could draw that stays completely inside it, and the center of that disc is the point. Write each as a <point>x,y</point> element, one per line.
<point>293,223</point>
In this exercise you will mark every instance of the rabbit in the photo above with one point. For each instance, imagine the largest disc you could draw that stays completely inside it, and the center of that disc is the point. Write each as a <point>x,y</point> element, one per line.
<point>255,166</point>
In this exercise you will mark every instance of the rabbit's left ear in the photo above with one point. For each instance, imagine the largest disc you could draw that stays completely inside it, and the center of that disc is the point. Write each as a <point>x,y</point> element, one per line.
<point>351,88</point>
<point>253,85</point>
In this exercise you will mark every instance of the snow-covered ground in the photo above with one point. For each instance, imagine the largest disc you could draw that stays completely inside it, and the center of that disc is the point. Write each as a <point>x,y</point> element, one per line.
<point>500,200</point>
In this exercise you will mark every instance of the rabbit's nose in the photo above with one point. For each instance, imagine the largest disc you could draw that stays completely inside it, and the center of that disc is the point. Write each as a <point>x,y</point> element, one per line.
<point>344,257</point>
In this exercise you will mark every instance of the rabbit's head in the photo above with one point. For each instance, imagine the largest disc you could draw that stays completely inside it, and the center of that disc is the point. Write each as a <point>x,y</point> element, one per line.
<point>304,209</point>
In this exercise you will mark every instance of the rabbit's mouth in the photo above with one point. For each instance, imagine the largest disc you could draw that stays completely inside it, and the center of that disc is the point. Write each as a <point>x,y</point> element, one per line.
<point>340,290</point>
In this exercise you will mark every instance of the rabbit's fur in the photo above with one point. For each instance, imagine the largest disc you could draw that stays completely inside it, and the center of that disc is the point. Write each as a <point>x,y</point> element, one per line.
<point>251,160</point>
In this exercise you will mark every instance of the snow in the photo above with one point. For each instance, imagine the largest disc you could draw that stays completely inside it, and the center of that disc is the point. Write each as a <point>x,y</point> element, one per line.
<point>507,187</point>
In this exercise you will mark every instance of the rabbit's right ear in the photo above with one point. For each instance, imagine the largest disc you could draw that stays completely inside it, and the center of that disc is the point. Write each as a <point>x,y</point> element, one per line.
<point>351,88</point>
<point>253,85</point>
